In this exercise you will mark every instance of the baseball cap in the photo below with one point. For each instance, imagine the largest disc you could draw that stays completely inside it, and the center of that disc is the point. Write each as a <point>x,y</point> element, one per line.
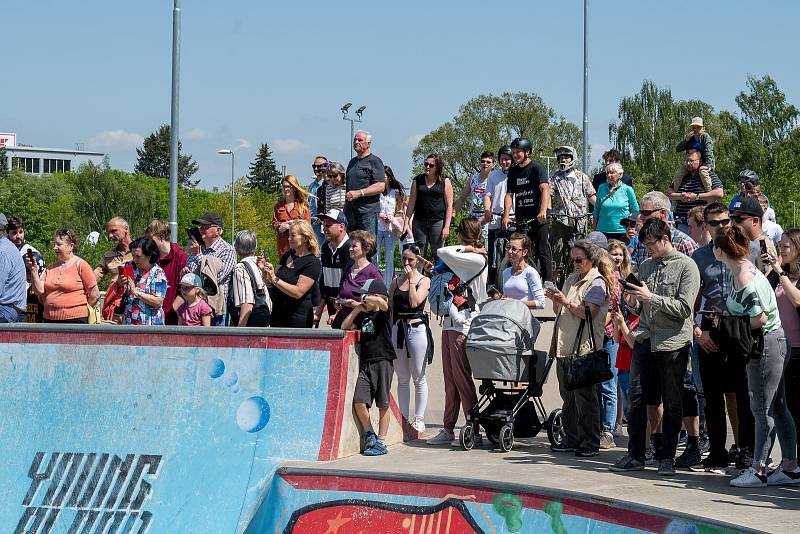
<point>191,279</point>
<point>633,217</point>
<point>696,121</point>
<point>748,206</point>
<point>373,286</point>
<point>3,221</point>
<point>335,215</point>
<point>209,218</point>
<point>598,238</point>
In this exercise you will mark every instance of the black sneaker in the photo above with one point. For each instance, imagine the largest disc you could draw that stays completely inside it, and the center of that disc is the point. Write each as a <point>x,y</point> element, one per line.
<point>715,463</point>
<point>666,467</point>
<point>586,453</point>
<point>626,463</point>
<point>703,442</point>
<point>744,459</point>
<point>649,456</point>
<point>560,447</point>
<point>733,452</point>
<point>689,458</point>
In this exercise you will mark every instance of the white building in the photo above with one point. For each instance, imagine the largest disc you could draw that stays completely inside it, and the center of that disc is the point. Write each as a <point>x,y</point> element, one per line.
<point>40,160</point>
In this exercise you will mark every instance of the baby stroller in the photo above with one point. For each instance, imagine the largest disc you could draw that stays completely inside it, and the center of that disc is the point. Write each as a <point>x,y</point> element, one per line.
<point>500,348</point>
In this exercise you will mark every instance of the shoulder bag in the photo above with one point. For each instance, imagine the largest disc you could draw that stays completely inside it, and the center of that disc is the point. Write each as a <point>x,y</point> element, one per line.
<point>587,369</point>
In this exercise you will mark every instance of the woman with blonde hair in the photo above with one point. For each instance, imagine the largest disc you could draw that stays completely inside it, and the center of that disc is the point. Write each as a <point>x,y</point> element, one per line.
<point>589,286</point>
<point>291,285</point>
<point>294,206</point>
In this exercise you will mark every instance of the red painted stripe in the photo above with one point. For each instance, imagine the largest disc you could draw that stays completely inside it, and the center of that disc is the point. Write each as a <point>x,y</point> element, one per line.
<point>586,509</point>
<point>337,393</point>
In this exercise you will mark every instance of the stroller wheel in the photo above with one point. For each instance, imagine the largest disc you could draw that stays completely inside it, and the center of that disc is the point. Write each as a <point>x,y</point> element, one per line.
<point>506,438</point>
<point>467,438</point>
<point>555,427</point>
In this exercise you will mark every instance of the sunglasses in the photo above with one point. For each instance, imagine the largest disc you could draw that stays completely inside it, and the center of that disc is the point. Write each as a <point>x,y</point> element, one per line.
<point>578,261</point>
<point>429,165</point>
<point>723,222</point>
<point>630,224</point>
<point>323,167</point>
<point>740,218</point>
<point>648,213</point>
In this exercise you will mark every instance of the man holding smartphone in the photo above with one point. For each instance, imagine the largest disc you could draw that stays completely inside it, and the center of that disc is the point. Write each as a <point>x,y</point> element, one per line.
<point>16,233</point>
<point>335,258</point>
<point>748,215</point>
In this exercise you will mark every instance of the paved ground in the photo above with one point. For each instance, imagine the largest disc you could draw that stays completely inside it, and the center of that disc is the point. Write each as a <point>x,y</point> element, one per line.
<point>532,462</point>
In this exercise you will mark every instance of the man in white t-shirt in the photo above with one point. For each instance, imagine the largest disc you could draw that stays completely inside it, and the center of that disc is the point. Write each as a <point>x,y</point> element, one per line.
<point>493,204</point>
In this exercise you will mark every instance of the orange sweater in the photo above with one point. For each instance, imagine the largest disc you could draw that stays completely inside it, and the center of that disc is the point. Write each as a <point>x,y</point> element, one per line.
<point>281,215</point>
<point>65,290</point>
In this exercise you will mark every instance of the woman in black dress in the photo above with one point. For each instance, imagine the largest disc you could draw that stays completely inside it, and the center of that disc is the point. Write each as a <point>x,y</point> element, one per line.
<point>291,285</point>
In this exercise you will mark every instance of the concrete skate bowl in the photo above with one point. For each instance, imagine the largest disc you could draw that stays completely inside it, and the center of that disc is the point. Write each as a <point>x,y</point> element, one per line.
<point>112,429</point>
<point>304,501</point>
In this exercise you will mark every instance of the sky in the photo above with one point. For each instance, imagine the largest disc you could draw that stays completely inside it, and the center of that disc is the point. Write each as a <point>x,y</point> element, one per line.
<point>99,72</point>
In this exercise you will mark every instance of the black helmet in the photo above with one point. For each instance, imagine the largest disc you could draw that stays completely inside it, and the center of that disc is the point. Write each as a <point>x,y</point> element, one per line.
<point>505,149</point>
<point>522,144</point>
<point>749,176</point>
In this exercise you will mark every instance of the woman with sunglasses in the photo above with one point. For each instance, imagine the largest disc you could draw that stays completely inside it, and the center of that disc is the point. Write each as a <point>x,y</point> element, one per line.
<point>752,297</point>
<point>411,336</point>
<point>335,188</point>
<point>589,286</point>
<point>294,206</point>
<point>430,202</point>
<point>615,201</point>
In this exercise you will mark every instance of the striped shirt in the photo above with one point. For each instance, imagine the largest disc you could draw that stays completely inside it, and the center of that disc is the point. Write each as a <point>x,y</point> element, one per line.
<point>692,183</point>
<point>334,197</point>
<point>682,243</point>
<point>242,286</point>
<point>334,262</point>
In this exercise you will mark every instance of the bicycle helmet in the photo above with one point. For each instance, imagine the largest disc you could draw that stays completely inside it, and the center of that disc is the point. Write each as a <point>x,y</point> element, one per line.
<point>522,144</point>
<point>566,151</point>
<point>505,149</point>
<point>749,176</point>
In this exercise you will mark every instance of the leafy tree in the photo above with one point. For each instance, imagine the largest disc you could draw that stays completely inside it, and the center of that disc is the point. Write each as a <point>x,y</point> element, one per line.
<point>765,110</point>
<point>153,158</point>
<point>3,162</point>
<point>264,174</point>
<point>650,125</point>
<point>488,121</point>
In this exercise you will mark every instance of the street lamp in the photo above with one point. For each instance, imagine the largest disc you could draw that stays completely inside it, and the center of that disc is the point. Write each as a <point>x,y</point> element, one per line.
<point>794,213</point>
<point>548,158</point>
<point>225,152</point>
<point>358,118</point>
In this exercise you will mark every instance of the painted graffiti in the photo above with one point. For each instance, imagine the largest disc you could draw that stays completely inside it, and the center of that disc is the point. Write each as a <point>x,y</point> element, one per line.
<point>356,515</point>
<point>88,490</point>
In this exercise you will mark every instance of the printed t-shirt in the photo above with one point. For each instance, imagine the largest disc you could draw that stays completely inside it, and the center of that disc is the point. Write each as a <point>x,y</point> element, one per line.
<point>524,182</point>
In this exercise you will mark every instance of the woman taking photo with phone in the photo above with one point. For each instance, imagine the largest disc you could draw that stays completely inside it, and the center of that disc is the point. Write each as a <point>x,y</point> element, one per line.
<point>752,296</point>
<point>411,336</point>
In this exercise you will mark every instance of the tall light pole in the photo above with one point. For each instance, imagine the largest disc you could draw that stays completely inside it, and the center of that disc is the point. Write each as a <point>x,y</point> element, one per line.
<point>225,152</point>
<point>346,116</point>
<point>548,158</point>
<point>173,127</point>
<point>794,213</point>
<point>585,85</point>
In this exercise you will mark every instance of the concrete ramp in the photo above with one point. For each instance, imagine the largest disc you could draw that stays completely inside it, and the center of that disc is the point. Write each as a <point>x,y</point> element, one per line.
<point>110,429</point>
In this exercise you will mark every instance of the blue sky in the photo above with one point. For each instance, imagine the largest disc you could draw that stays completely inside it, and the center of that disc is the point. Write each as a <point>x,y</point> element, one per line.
<point>98,72</point>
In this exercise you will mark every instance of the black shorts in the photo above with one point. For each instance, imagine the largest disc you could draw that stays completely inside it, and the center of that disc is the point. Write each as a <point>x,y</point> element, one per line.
<point>374,383</point>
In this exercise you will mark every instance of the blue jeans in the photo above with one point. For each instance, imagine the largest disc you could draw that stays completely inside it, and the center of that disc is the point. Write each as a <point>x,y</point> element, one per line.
<point>698,385</point>
<point>608,390</point>
<point>386,241</point>
<point>363,221</point>
<point>624,379</point>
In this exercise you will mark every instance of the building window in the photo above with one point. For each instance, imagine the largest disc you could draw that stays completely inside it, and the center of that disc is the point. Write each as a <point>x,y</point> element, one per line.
<point>56,165</point>
<point>29,165</point>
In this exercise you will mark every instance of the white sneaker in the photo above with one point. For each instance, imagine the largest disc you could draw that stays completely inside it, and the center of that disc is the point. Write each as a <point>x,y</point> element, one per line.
<point>749,479</point>
<point>444,437</point>
<point>607,441</point>
<point>618,432</point>
<point>779,477</point>
<point>418,424</point>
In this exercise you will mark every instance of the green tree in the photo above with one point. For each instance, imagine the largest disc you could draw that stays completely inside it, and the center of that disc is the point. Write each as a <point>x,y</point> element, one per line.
<point>765,110</point>
<point>488,121</point>
<point>264,174</point>
<point>650,124</point>
<point>3,162</point>
<point>153,158</point>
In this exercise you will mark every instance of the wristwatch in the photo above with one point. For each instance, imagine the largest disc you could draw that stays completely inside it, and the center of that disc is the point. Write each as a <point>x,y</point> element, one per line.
<point>275,280</point>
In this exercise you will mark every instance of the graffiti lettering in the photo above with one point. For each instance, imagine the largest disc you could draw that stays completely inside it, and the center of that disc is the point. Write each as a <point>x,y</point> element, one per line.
<point>97,492</point>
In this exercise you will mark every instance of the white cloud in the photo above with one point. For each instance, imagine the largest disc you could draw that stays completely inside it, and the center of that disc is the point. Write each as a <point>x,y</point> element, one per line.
<point>196,134</point>
<point>414,140</point>
<point>116,139</point>
<point>243,144</point>
<point>596,151</point>
<point>289,146</point>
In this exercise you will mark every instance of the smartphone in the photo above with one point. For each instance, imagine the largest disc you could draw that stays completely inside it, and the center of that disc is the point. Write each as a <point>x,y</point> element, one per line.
<point>550,285</point>
<point>632,280</point>
<point>31,257</point>
<point>194,233</point>
<point>127,269</point>
<point>762,243</point>
<point>493,292</point>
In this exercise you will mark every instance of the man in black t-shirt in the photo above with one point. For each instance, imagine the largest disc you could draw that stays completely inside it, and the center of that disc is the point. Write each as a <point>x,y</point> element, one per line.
<point>376,353</point>
<point>528,188</point>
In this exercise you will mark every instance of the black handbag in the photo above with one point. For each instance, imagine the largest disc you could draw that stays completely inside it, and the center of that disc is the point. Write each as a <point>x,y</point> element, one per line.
<point>587,369</point>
